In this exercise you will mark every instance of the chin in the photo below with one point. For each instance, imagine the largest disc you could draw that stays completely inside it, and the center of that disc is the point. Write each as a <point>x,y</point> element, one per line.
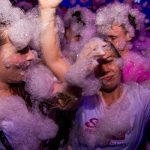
<point>108,89</point>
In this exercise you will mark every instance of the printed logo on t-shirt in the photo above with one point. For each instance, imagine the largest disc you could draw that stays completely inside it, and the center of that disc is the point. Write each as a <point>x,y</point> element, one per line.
<point>91,123</point>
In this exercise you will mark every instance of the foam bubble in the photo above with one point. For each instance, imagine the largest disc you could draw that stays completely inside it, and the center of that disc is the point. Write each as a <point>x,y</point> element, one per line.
<point>24,129</point>
<point>40,82</point>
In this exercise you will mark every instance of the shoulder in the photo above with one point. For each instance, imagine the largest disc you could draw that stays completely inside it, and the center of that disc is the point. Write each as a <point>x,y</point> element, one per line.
<point>134,86</point>
<point>138,92</point>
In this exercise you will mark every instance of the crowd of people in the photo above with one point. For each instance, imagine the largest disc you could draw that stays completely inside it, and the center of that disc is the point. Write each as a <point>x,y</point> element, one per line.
<point>77,81</point>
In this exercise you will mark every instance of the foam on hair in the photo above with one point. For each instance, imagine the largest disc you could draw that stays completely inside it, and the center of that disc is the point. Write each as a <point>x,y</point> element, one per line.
<point>119,13</point>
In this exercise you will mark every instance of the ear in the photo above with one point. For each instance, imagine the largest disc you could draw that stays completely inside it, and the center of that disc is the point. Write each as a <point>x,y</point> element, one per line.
<point>128,37</point>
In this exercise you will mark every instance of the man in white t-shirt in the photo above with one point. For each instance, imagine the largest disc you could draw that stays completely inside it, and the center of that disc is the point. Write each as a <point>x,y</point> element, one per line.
<point>113,119</point>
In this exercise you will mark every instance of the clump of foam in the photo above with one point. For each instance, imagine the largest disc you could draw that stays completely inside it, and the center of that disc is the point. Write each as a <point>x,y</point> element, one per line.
<point>35,41</point>
<point>9,14</point>
<point>118,13</point>
<point>71,50</point>
<point>33,16</point>
<point>40,82</point>
<point>81,72</point>
<point>20,33</point>
<point>24,130</point>
<point>23,28</point>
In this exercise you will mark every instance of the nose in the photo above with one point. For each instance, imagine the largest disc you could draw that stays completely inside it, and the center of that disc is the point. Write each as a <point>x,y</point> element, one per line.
<point>30,55</point>
<point>105,69</point>
<point>100,71</point>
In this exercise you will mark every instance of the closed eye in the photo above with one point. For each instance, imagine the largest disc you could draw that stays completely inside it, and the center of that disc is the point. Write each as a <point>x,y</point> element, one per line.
<point>24,50</point>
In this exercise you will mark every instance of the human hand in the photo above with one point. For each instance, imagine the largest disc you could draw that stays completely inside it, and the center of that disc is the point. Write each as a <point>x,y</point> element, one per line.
<point>49,3</point>
<point>91,52</point>
<point>81,73</point>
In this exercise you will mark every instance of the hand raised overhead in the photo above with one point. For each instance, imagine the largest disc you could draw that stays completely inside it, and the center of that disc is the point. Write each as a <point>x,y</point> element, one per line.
<point>49,3</point>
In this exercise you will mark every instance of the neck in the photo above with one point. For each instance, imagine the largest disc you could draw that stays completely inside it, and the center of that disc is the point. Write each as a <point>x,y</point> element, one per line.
<point>113,96</point>
<point>4,89</point>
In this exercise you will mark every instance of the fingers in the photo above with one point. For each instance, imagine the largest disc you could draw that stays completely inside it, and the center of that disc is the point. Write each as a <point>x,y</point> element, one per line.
<point>95,54</point>
<point>92,66</point>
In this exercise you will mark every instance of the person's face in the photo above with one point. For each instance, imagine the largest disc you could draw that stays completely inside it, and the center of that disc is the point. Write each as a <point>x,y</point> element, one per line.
<point>13,63</point>
<point>109,71</point>
<point>118,37</point>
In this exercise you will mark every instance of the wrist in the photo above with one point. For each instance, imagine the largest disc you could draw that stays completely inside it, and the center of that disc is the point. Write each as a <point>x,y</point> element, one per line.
<point>47,10</point>
<point>48,13</point>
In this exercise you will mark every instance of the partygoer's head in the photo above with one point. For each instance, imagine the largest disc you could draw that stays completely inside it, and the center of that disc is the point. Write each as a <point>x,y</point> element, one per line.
<point>78,30</point>
<point>119,23</point>
<point>13,62</point>
<point>76,20</point>
<point>109,70</point>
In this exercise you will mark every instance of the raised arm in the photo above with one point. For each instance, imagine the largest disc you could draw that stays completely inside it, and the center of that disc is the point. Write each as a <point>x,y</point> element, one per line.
<point>49,39</point>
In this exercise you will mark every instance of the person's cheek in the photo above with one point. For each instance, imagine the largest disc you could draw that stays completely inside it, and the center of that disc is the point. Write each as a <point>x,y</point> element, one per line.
<point>17,61</point>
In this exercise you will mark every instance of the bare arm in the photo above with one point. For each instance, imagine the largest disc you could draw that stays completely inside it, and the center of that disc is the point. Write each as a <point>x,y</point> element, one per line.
<point>49,38</point>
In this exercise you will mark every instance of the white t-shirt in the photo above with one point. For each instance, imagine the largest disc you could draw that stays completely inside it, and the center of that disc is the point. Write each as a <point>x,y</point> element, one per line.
<point>116,127</point>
